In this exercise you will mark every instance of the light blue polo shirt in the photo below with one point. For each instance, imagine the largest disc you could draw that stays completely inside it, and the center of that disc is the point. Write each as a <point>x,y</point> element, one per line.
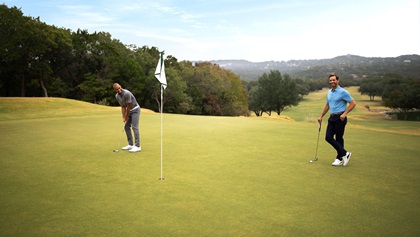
<point>337,100</point>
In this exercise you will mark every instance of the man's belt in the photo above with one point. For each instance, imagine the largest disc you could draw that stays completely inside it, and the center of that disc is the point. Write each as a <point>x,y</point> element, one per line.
<point>136,107</point>
<point>337,114</point>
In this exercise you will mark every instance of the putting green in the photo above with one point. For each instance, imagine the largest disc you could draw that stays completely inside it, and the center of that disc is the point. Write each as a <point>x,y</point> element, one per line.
<point>224,176</point>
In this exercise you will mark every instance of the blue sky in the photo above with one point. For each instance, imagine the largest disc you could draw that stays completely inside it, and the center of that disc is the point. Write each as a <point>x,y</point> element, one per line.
<point>254,30</point>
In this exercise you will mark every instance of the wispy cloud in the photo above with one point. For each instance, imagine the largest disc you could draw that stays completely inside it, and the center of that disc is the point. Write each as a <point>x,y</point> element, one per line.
<point>223,29</point>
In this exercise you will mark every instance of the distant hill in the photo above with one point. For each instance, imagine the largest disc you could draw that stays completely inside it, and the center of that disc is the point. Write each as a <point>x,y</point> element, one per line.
<point>352,66</point>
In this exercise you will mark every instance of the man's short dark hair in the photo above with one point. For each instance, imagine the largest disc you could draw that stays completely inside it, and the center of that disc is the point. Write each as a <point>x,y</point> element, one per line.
<point>333,74</point>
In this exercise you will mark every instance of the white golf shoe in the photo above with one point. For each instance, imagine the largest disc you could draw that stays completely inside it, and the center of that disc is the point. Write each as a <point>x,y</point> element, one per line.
<point>128,147</point>
<point>135,149</point>
<point>346,158</point>
<point>337,162</point>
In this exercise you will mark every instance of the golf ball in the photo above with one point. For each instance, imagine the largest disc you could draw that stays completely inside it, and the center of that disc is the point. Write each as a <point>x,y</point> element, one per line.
<point>310,161</point>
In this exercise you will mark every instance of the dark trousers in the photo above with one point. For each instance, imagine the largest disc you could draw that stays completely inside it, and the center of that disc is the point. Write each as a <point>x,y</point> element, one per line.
<point>336,127</point>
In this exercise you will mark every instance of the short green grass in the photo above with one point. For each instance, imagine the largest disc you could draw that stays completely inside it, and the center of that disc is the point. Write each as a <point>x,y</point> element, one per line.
<point>224,176</point>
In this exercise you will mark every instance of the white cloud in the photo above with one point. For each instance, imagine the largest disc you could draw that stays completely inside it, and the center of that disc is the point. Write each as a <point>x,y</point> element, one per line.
<point>268,30</point>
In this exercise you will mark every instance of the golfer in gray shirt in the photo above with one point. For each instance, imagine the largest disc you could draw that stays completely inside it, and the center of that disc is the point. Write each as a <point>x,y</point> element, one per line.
<point>130,110</point>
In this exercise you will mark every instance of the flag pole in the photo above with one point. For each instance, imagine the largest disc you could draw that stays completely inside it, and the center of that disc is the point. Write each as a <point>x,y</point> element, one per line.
<point>161,133</point>
<point>161,77</point>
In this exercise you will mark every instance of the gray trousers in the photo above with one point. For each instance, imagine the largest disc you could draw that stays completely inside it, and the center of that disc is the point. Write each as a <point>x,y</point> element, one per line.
<point>133,123</point>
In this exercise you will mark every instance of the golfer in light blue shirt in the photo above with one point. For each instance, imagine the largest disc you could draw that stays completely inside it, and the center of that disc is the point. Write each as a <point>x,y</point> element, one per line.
<point>337,100</point>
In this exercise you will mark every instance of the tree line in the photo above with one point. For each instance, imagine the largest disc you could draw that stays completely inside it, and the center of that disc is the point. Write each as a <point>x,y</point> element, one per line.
<point>37,59</point>
<point>397,92</point>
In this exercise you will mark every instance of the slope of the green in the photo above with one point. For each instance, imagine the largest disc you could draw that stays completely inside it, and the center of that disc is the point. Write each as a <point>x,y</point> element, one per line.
<point>17,108</point>
<point>224,176</point>
<point>26,108</point>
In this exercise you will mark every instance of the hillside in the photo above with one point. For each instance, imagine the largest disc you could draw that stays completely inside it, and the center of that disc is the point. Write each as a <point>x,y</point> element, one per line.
<point>346,65</point>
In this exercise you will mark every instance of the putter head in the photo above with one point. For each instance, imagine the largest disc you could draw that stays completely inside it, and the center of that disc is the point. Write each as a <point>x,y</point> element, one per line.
<point>314,159</point>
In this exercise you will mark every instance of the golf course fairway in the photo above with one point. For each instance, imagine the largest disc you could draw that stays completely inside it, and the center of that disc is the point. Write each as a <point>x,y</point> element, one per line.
<point>224,176</point>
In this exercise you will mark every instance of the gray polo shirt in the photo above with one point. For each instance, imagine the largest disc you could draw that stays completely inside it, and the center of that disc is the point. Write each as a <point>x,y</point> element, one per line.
<point>126,97</point>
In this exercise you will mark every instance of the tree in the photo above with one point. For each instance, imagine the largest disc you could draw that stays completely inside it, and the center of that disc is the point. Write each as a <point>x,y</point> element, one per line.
<point>98,60</point>
<point>176,100</point>
<point>372,87</point>
<point>91,88</point>
<point>214,91</point>
<point>147,59</point>
<point>52,43</point>
<point>405,98</point>
<point>42,60</point>
<point>15,50</point>
<point>254,99</point>
<point>274,93</point>
<point>31,52</point>
<point>288,94</point>
<point>302,87</point>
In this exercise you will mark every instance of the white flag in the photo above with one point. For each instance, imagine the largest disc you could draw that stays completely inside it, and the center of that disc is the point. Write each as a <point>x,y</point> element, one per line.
<point>160,72</point>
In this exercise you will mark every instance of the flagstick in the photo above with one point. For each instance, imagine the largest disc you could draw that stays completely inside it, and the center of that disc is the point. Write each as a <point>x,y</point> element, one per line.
<point>161,133</point>
<point>161,77</point>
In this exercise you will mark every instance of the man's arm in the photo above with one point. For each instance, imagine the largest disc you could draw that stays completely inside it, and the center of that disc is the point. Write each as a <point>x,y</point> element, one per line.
<point>123,112</point>
<point>352,104</point>
<point>324,111</point>
<point>126,111</point>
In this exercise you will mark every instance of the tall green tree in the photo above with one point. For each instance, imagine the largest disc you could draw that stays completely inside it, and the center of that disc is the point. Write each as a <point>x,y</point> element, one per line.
<point>214,91</point>
<point>276,92</point>
<point>147,58</point>
<point>176,100</point>
<point>254,98</point>
<point>288,94</point>
<point>403,96</point>
<point>16,50</point>
<point>372,87</point>
<point>302,86</point>
<point>31,52</point>
<point>52,43</point>
<point>99,60</point>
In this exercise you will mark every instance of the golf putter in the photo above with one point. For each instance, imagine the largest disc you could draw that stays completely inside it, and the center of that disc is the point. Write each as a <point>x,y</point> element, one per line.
<point>119,143</point>
<point>317,143</point>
